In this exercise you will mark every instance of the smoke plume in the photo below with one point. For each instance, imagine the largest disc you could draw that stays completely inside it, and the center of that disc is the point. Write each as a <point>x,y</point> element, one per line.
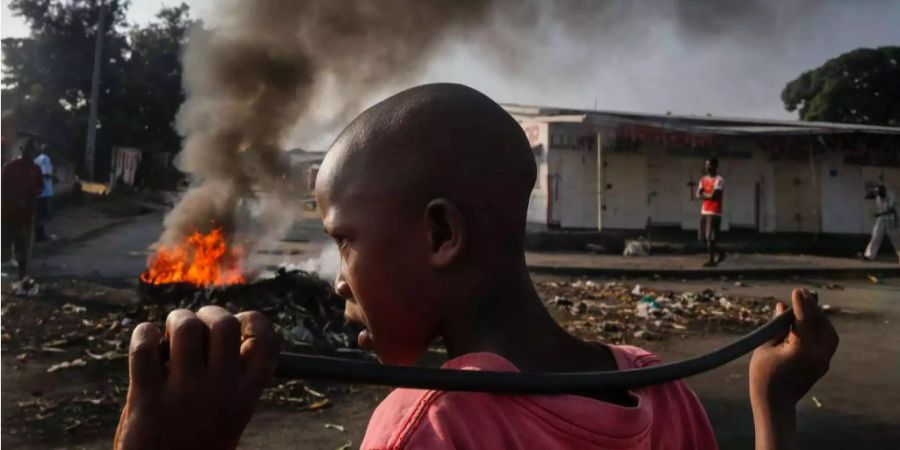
<point>276,71</point>
<point>263,71</point>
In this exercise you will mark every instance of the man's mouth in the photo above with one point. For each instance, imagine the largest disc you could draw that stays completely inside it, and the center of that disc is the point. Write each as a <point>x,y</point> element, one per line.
<point>364,339</point>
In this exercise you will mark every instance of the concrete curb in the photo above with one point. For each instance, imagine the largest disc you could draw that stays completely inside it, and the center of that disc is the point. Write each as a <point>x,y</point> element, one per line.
<point>732,273</point>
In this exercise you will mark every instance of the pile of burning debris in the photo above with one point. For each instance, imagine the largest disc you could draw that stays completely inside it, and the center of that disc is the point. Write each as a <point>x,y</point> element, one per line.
<point>205,269</point>
<point>305,311</point>
<point>615,312</point>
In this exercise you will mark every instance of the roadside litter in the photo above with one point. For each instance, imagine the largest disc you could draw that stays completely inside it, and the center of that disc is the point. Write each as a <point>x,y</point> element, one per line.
<point>617,312</point>
<point>640,247</point>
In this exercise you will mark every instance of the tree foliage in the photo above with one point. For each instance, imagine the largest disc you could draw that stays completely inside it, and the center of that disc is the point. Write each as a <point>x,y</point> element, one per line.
<point>47,76</point>
<point>861,86</point>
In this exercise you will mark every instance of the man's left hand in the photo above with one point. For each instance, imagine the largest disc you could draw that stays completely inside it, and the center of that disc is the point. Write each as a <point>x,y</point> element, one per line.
<point>203,397</point>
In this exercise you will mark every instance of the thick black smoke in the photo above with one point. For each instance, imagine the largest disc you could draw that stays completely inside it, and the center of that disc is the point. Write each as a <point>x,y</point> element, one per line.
<point>278,70</point>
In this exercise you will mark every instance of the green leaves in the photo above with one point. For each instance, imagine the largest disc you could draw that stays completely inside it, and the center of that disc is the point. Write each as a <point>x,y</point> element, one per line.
<point>47,76</point>
<point>861,86</point>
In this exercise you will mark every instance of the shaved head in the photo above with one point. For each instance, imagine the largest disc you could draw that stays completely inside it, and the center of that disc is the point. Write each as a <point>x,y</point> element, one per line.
<point>438,141</point>
<point>426,196</point>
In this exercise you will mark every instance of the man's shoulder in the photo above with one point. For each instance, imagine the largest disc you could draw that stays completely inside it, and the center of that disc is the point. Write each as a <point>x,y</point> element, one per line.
<point>631,357</point>
<point>407,412</point>
<point>18,164</point>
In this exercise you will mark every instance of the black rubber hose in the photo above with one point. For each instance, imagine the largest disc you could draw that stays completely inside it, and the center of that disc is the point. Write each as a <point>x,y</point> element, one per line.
<point>349,371</point>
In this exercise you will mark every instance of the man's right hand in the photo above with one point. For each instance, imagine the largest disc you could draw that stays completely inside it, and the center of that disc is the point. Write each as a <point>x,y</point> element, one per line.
<point>783,370</point>
<point>203,397</point>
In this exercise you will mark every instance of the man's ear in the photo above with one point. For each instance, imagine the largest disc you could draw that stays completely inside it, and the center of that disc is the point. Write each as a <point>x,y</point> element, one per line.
<point>446,228</point>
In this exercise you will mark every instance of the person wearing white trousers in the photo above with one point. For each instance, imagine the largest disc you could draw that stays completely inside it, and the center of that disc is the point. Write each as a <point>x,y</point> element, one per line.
<point>885,224</point>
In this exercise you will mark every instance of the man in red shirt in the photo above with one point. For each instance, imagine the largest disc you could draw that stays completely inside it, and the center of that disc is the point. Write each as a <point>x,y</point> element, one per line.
<point>425,254</point>
<point>21,183</point>
<point>710,191</point>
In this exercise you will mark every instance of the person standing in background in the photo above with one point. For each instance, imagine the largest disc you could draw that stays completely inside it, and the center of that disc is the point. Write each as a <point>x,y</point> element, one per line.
<point>886,223</point>
<point>710,190</point>
<point>44,201</point>
<point>21,184</point>
<point>9,136</point>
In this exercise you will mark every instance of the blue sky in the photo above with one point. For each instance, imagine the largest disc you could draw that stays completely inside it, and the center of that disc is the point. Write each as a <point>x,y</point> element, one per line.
<point>651,66</point>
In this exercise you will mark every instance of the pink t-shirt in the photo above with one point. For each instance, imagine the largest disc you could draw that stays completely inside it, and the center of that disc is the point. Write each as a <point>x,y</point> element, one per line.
<point>667,416</point>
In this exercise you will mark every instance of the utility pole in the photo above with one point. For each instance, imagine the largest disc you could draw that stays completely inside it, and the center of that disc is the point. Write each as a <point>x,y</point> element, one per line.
<point>90,147</point>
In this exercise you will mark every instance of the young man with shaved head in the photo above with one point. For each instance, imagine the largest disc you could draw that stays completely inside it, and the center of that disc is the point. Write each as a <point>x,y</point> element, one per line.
<point>425,195</point>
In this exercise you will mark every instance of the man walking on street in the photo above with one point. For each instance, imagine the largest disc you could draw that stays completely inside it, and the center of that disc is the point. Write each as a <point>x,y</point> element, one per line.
<point>44,204</point>
<point>886,223</point>
<point>21,184</point>
<point>710,190</point>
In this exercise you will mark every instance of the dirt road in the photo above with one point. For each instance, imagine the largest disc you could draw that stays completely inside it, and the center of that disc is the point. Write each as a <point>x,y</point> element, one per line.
<point>855,405</point>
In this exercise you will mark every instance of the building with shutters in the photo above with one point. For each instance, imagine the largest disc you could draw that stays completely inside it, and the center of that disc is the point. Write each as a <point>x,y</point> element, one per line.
<point>602,170</point>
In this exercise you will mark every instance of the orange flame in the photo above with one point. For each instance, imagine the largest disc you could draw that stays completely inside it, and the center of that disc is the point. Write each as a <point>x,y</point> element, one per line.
<point>203,260</point>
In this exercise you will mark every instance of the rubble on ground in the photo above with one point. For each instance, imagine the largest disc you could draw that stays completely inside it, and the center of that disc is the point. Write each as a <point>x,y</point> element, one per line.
<point>64,342</point>
<point>616,312</point>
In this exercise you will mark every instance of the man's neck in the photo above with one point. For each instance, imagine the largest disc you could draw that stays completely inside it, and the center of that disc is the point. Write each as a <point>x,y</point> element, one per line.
<point>513,323</point>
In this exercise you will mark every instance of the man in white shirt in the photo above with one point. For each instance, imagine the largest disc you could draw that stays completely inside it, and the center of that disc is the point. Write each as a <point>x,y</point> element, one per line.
<point>886,223</point>
<point>44,199</point>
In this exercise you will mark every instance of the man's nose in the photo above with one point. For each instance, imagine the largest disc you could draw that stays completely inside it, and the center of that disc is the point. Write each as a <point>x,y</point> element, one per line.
<point>341,287</point>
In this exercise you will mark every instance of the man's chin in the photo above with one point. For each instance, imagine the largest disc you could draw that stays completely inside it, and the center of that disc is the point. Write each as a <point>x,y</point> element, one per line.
<point>395,358</point>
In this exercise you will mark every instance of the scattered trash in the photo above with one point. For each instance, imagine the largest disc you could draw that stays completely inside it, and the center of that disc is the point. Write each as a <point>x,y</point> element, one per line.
<point>874,279</point>
<point>313,392</point>
<point>740,284</point>
<point>298,334</point>
<point>817,402</point>
<point>596,248</point>
<point>26,288</point>
<point>73,309</point>
<point>831,310</point>
<point>560,301</point>
<point>615,312</point>
<point>579,308</point>
<point>318,404</point>
<point>106,356</point>
<point>645,335</point>
<point>334,426</point>
<point>640,247</point>
<point>347,446</point>
<point>68,364</point>
<point>834,287</point>
<point>126,321</point>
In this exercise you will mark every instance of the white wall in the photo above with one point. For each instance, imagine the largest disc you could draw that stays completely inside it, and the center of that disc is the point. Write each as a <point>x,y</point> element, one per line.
<point>666,189</point>
<point>537,205</point>
<point>797,197</point>
<point>843,192</point>
<point>605,189</point>
<point>576,201</point>
<point>623,178</point>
